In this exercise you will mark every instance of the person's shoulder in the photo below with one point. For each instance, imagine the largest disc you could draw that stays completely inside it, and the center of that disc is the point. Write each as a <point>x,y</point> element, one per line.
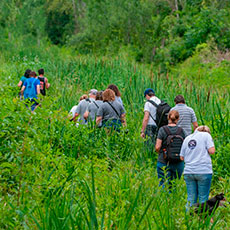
<point>189,108</point>
<point>173,108</point>
<point>37,81</point>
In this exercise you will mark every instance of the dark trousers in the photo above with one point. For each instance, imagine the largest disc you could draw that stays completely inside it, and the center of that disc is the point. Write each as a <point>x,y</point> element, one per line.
<point>150,135</point>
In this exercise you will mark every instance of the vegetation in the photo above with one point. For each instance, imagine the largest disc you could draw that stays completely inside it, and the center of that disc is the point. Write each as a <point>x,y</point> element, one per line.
<point>56,176</point>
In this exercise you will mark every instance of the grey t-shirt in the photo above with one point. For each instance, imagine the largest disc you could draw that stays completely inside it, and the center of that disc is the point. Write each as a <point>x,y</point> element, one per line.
<point>162,135</point>
<point>107,112</point>
<point>93,108</point>
<point>187,117</point>
<point>82,107</point>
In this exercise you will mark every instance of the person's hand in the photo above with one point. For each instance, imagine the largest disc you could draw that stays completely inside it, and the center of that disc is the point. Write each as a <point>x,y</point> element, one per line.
<point>142,134</point>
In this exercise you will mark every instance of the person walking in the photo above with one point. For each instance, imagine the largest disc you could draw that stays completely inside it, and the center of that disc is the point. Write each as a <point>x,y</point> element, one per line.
<point>72,112</point>
<point>149,126</point>
<point>168,146</point>
<point>30,90</point>
<point>43,82</point>
<point>187,115</point>
<point>83,106</point>
<point>195,152</point>
<point>117,93</point>
<point>91,112</point>
<point>23,78</point>
<point>111,113</point>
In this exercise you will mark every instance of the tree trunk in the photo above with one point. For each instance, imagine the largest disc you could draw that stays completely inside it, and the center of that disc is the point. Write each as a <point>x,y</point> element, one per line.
<point>76,30</point>
<point>176,7</point>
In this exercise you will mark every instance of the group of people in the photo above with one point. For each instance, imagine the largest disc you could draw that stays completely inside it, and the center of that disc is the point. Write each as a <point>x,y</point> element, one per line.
<point>166,130</point>
<point>31,86</point>
<point>103,107</point>
<point>179,149</point>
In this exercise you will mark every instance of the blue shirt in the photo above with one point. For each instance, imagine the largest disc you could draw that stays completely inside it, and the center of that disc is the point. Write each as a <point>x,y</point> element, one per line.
<point>35,83</point>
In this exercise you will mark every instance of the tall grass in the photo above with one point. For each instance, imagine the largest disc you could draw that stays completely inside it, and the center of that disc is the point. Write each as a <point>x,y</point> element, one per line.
<point>82,178</point>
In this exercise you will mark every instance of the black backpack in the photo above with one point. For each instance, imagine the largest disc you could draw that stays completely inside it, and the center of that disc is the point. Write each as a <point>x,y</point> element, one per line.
<point>161,114</point>
<point>42,85</point>
<point>173,145</point>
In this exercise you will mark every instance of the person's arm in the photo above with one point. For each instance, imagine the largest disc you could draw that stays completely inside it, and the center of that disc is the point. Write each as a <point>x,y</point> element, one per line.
<point>47,84</point>
<point>123,120</point>
<point>211,150</point>
<point>86,115</point>
<point>182,151</point>
<point>158,145</point>
<point>38,89</point>
<point>144,123</point>
<point>195,125</point>
<point>19,83</point>
<point>98,120</point>
<point>22,89</point>
<point>75,116</point>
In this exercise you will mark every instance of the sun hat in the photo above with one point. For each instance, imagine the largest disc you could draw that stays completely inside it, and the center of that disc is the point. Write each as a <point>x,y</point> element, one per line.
<point>147,91</point>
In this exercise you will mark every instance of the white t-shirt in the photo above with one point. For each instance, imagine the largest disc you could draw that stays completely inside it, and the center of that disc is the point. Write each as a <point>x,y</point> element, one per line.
<point>152,109</point>
<point>73,111</point>
<point>195,152</point>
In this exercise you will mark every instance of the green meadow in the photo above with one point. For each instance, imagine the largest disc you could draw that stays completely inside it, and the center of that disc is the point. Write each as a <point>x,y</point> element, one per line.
<point>57,176</point>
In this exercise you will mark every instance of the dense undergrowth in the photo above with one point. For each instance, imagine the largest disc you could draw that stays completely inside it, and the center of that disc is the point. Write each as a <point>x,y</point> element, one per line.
<point>57,176</point>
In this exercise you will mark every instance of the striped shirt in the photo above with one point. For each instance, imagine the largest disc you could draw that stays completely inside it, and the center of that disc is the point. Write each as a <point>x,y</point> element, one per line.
<point>187,117</point>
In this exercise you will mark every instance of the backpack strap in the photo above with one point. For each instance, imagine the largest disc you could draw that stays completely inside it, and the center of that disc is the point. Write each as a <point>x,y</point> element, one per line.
<point>34,81</point>
<point>154,104</point>
<point>95,104</point>
<point>179,131</point>
<point>114,109</point>
<point>167,130</point>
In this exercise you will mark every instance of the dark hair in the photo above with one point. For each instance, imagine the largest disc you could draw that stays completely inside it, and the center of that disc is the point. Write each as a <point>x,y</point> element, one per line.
<point>179,99</point>
<point>41,71</point>
<point>151,94</point>
<point>33,74</point>
<point>99,96</point>
<point>173,116</point>
<point>115,90</point>
<point>27,73</point>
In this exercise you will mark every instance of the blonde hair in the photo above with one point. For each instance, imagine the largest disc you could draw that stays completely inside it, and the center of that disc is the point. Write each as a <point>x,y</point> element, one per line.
<point>84,96</point>
<point>173,116</point>
<point>204,128</point>
<point>108,95</point>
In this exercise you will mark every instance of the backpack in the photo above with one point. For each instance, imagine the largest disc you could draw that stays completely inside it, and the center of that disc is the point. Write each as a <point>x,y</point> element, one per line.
<point>161,114</point>
<point>30,91</point>
<point>42,85</point>
<point>173,145</point>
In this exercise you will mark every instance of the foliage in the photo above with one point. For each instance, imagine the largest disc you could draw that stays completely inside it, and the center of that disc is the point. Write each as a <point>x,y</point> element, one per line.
<point>57,176</point>
<point>163,32</point>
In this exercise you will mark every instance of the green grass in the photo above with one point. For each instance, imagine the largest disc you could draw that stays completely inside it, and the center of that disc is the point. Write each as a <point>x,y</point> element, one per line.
<point>57,176</point>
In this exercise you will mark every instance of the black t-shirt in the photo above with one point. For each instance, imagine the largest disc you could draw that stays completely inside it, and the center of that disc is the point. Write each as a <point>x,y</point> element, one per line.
<point>162,135</point>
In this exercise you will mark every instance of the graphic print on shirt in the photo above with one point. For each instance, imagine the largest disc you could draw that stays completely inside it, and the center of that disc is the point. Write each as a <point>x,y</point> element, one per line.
<point>192,144</point>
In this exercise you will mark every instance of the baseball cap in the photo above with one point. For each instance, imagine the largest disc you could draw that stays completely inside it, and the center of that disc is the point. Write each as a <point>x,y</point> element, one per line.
<point>147,91</point>
<point>93,91</point>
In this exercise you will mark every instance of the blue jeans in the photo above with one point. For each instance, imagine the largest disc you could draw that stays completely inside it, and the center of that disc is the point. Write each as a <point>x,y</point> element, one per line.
<point>169,172</point>
<point>198,186</point>
<point>114,124</point>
